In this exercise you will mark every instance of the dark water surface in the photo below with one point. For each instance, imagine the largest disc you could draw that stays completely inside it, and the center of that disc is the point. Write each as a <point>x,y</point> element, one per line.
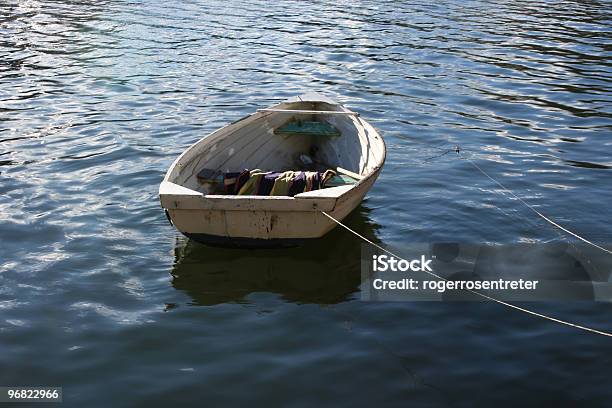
<point>101,296</point>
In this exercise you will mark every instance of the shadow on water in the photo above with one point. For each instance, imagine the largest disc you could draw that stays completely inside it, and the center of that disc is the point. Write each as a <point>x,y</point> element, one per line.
<point>325,270</point>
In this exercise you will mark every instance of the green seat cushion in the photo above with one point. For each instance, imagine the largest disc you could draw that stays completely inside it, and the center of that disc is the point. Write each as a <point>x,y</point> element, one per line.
<point>307,128</point>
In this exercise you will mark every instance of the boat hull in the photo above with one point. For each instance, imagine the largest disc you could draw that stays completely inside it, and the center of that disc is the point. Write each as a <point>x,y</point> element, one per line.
<point>248,243</point>
<point>264,228</point>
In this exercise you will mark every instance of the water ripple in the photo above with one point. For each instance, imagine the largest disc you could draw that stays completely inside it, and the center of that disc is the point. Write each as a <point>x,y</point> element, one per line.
<point>98,97</point>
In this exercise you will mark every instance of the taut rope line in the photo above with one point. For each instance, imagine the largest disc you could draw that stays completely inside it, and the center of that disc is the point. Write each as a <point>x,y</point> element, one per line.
<point>545,218</point>
<point>501,302</point>
<point>457,149</point>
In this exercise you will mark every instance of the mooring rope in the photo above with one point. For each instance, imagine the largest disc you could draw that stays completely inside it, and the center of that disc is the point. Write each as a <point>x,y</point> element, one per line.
<point>555,224</point>
<point>545,218</point>
<point>501,302</point>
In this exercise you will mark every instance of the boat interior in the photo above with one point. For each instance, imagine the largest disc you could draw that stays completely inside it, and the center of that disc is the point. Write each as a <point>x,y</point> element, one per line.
<point>280,140</point>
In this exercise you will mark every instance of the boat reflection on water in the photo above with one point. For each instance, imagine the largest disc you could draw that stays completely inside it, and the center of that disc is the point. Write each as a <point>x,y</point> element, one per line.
<point>325,270</point>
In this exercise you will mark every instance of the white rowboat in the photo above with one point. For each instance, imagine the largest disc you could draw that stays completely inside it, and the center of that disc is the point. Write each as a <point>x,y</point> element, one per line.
<point>243,220</point>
